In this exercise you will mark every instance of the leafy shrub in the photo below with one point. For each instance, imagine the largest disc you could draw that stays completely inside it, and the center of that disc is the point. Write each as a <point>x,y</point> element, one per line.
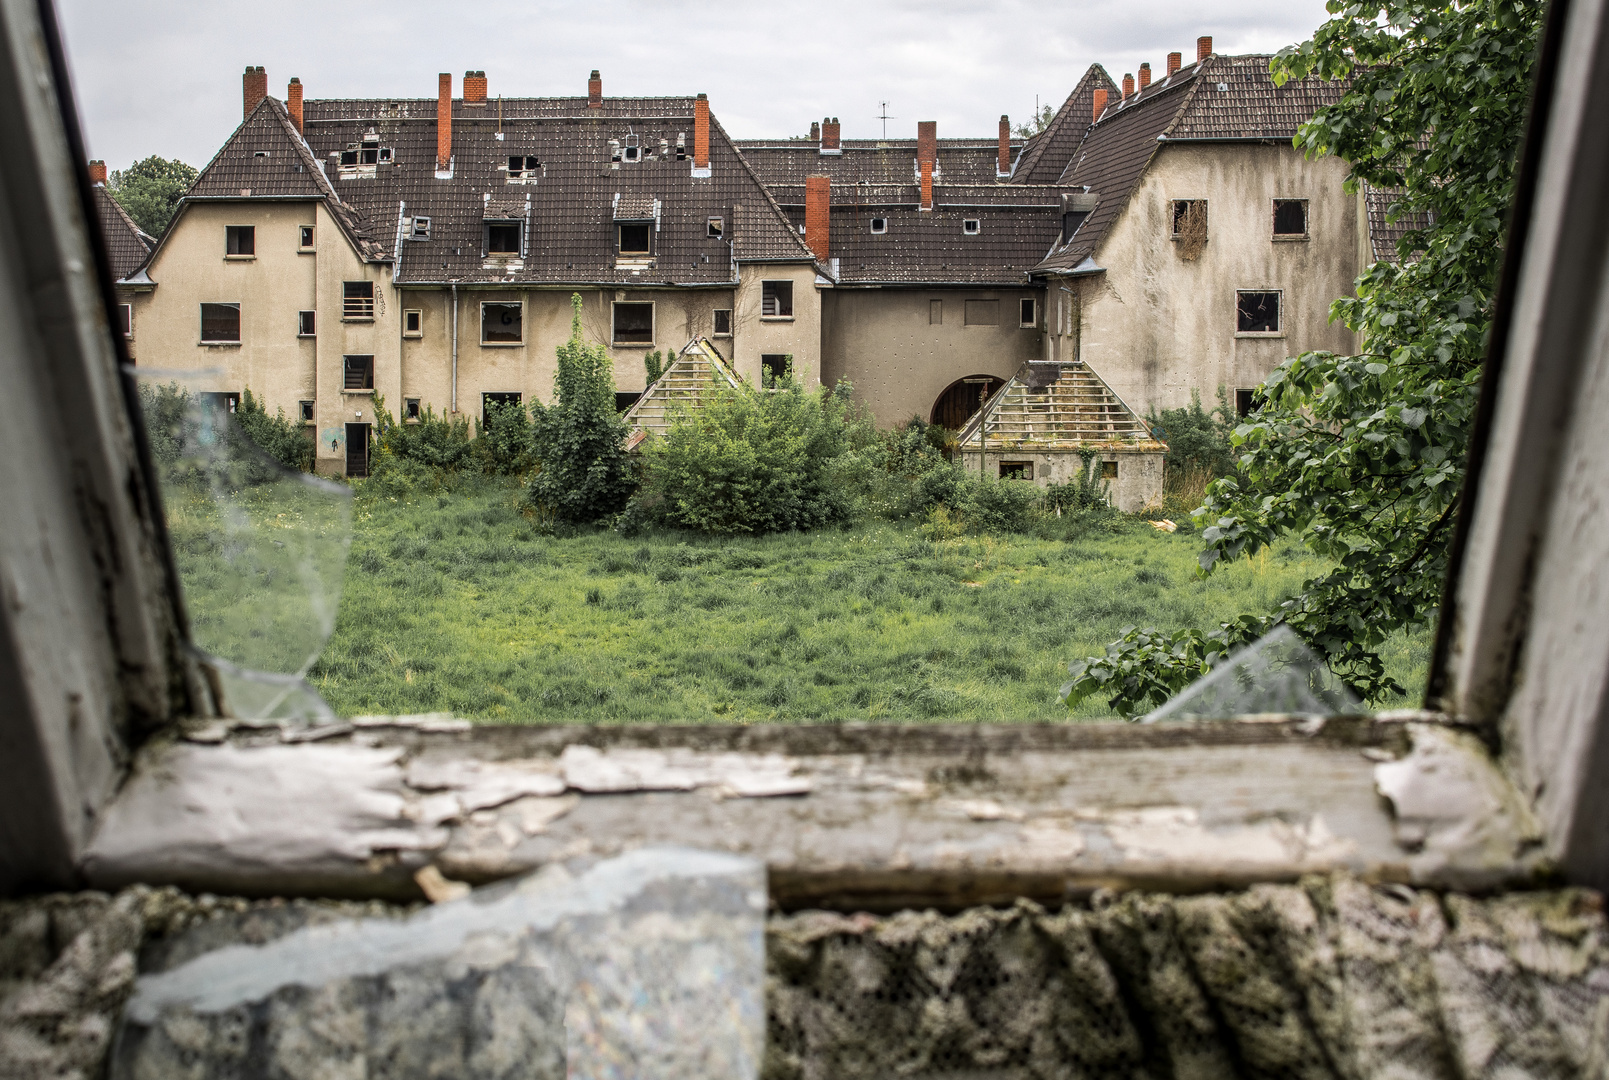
<point>427,455</point>
<point>1198,440</point>
<point>998,506</point>
<point>579,441</point>
<point>277,436</point>
<point>506,443</point>
<point>174,422</point>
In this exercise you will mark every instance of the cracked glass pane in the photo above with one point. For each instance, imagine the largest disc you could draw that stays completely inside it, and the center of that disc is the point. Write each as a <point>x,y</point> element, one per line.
<point>260,546</point>
<point>1277,673</point>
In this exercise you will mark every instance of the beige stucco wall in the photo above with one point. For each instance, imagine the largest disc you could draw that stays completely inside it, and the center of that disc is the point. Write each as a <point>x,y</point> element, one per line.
<point>882,341</point>
<point>1138,485</point>
<point>1155,326</point>
<point>755,335</point>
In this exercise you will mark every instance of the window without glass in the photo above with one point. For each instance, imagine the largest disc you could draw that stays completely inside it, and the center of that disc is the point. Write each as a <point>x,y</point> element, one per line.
<point>413,321</point>
<point>633,238</point>
<point>879,224</point>
<point>1186,211</point>
<point>225,401</point>
<point>723,322</point>
<point>972,226</point>
<point>502,237</point>
<point>358,372</point>
<point>357,300</point>
<point>1245,401</point>
<point>935,312</point>
<point>634,324</point>
<point>625,400</point>
<point>220,322</point>
<point>523,167</point>
<point>410,408</point>
<point>1016,470</point>
<point>1108,470</point>
<point>501,324</point>
<point>306,411</point>
<point>715,227</point>
<point>420,230</point>
<point>1290,217</point>
<point>774,368</point>
<point>982,313</point>
<point>1257,312</point>
<point>125,320</point>
<point>498,400</point>
<point>240,239</point>
<point>776,299</point>
<point>1028,312</point>
<point>306,240</point>
<point>305,324</point>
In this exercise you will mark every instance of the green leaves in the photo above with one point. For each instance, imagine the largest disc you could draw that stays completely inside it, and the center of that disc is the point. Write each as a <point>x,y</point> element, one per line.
<point>149,191</point>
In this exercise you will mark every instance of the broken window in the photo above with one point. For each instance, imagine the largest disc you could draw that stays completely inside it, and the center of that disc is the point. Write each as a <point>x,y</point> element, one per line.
<point>971,226</point>
<point>305,323</point>
<point>501,324</point>
<point>503,237</point>
<point>1245,402</point>
<point>935,312</point>
<point>420,229</point>
<point>240,239</point>
<point>306,411</point>
<point>776,299</point>
<point>125,320</point>
<point>775,368</point>
<point>1109,470</point>
<point>633,238</point>
<point>523,167</point>
<point>1016,470</point>
<point>222,401</point>
<point>1257,312</point>
<point>1190,227</point>
<point>305,241</point>
<point>879,224</point>
<point>632,151</point>
<point>357,372</point>
<point>220,322</point>
<point>410,408</point>
<point>715,227</point>
<point>412,322</point>
<point>982,313</point>
<point>357,300</point>
<point>1028,311</point>
<point>500,400</point>
<point>634,324</point>
<point>1290,217</point>
<point>723,322</point>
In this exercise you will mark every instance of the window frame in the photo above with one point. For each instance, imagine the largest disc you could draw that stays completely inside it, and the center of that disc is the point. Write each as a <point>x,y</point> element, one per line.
<point>410,410</point>
<point>500,226</point>
<point>306,237</point>
<point>125,314</point>
<point>1175,214</point>
<point>239,323</point>
<point>486,343</point>
<point>782,296</point>
<point>419,227</point>
<point>307,323</point>
<point>415,316</point>
<point>873,224</point>
<point>971,226</point>
<point>773,368</point>
<point>308,411</point>
<point>233,235</point>
<point>614,323</point>
<point>364,370</point>
<point>1016,470</point>
<point>502,397</point>
<point>1031,305</point>
<point>1279,313</point>
<point>715,227</point>
<point>1289,237</point>
<point>354,309</point>
<point>715,322</point>
<point>935,311</point>
<point>647,250</point>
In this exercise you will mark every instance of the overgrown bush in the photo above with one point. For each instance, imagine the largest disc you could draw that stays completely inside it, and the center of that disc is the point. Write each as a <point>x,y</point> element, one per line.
<point>279,437</point>
<point>175,419</point>
<point>506,443</point>
<point>578,442</point>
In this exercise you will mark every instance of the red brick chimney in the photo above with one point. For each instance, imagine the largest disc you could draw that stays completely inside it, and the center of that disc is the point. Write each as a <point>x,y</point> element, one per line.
<point>1128,85</point>
<point>829,135</point>
<point>1100,104</point>
<point>293,103</point>
<point>1203,48</point>
<point>1003,167</point>
<point>818,214</point>
<point>474,88</point>
<point>1145,76</point>
<point>1175,61</point>
<point>595,90</point>
<point>97,173</point>
<point>444,121</point>
<point>254,86</point>
<point>927,141</point>
<point>815,132</point>
<point>701,132</point>
<point>927,185</point>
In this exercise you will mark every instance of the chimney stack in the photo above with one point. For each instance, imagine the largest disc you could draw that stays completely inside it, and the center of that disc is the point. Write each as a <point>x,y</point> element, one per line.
<point>829,136</point>
<point>595,90</point>
<point>815,132</point>
<point>97,173</point>
<point>1175,61</point>
<point>1128,85</point>
<point>474,88</point>
<point>1203,48</point>
<point>1145,76</point>
<point>293,103</point>
<point>254,87</point>
<point>927,141</point>
<point>701,132</point>
<point>1003,166</point>
<point>444,121</point>
<point>1100,104</point>
<point>927,185</point>
<point>818,214</point>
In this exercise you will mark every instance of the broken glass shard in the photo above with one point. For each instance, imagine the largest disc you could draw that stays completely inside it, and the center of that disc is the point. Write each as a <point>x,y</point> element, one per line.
<point>1278,673</point>
<point>260,547</point>
<point>650,964</point>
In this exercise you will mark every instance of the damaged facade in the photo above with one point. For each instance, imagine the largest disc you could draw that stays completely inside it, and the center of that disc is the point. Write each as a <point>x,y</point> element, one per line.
<point>341,254</point>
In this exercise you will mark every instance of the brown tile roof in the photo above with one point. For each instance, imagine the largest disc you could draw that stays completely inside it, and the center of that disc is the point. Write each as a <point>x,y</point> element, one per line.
<point>1384,233</point>
<point>265,158</point>
<point>572,195</point>
<point>1237,99</point>
<point>126,246</point>
<point>871,161</point>
<point>1046,158</point>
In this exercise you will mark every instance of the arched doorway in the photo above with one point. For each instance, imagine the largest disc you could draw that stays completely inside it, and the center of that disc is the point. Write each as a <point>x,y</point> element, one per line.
<point>962,398</point>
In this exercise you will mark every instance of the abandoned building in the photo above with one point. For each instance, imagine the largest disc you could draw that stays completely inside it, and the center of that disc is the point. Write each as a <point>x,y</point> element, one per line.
<point>337,256</point>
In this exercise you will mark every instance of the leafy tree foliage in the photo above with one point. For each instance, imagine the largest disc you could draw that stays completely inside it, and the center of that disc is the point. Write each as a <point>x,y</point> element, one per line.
<point>578,442</point>
<point>282,439</point>
<point>149,191</point>
<point>1363,456</point>
<point>1036,123</point>
<point>1198,440</point>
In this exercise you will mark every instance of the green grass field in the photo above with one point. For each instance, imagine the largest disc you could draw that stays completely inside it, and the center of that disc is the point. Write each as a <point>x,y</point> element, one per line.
<point>456,603</point>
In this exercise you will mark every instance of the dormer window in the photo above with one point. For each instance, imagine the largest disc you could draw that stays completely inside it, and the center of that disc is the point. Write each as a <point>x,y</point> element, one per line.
<point>503,237</point>
<point>971,226</point>
<point>523,167</point>
<point>715,227</point>
<point>361,159</point>
<point>420,229</point>
<point>633,237</point>
<point>632,150</point>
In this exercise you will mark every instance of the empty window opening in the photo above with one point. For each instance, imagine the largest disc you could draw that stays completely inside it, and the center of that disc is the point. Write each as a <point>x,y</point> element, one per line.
<point>357,300</point>
<point>1028,311</point>
<point>1070,222</point>
<point>1108,470</point>
<point>715,227</point>
<point>221,401</point>
<point>357,449</point>
<point>776,299</point>
<point>262,153</point>
<point>625,400</point>
<point>1245,401</point>
<point>125,320</point>
<point>306,411</point>
<point>420,229</point>
<point>523,167</point>
<point>502,237</point>
<point>633,239</point>
<point>971,226</point>
<point>500,400</point>
<point>982,313</point>
<point>1257,313</point>
<point>634,324</point>
<point>1016,470</point>
<point>935,312</point>
<point>723,322</point>
<point>220,322</point>
<point>240,239</point>
<point>879,224</point>
<point>358,372</point>
<point>1290,217</point>
<point>413,322</point>
<point>632,151</point>
<point>305,241</point>
<point>306,324</point>
<point>410,408</point>
<point>501,324</point>
<point>775,368</point>
<point>1190,227</point>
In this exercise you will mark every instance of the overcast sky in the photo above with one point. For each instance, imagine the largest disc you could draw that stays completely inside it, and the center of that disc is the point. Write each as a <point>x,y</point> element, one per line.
<point>163,76</point>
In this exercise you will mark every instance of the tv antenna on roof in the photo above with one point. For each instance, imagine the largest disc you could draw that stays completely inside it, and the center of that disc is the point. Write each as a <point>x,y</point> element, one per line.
<point>885,118</point>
